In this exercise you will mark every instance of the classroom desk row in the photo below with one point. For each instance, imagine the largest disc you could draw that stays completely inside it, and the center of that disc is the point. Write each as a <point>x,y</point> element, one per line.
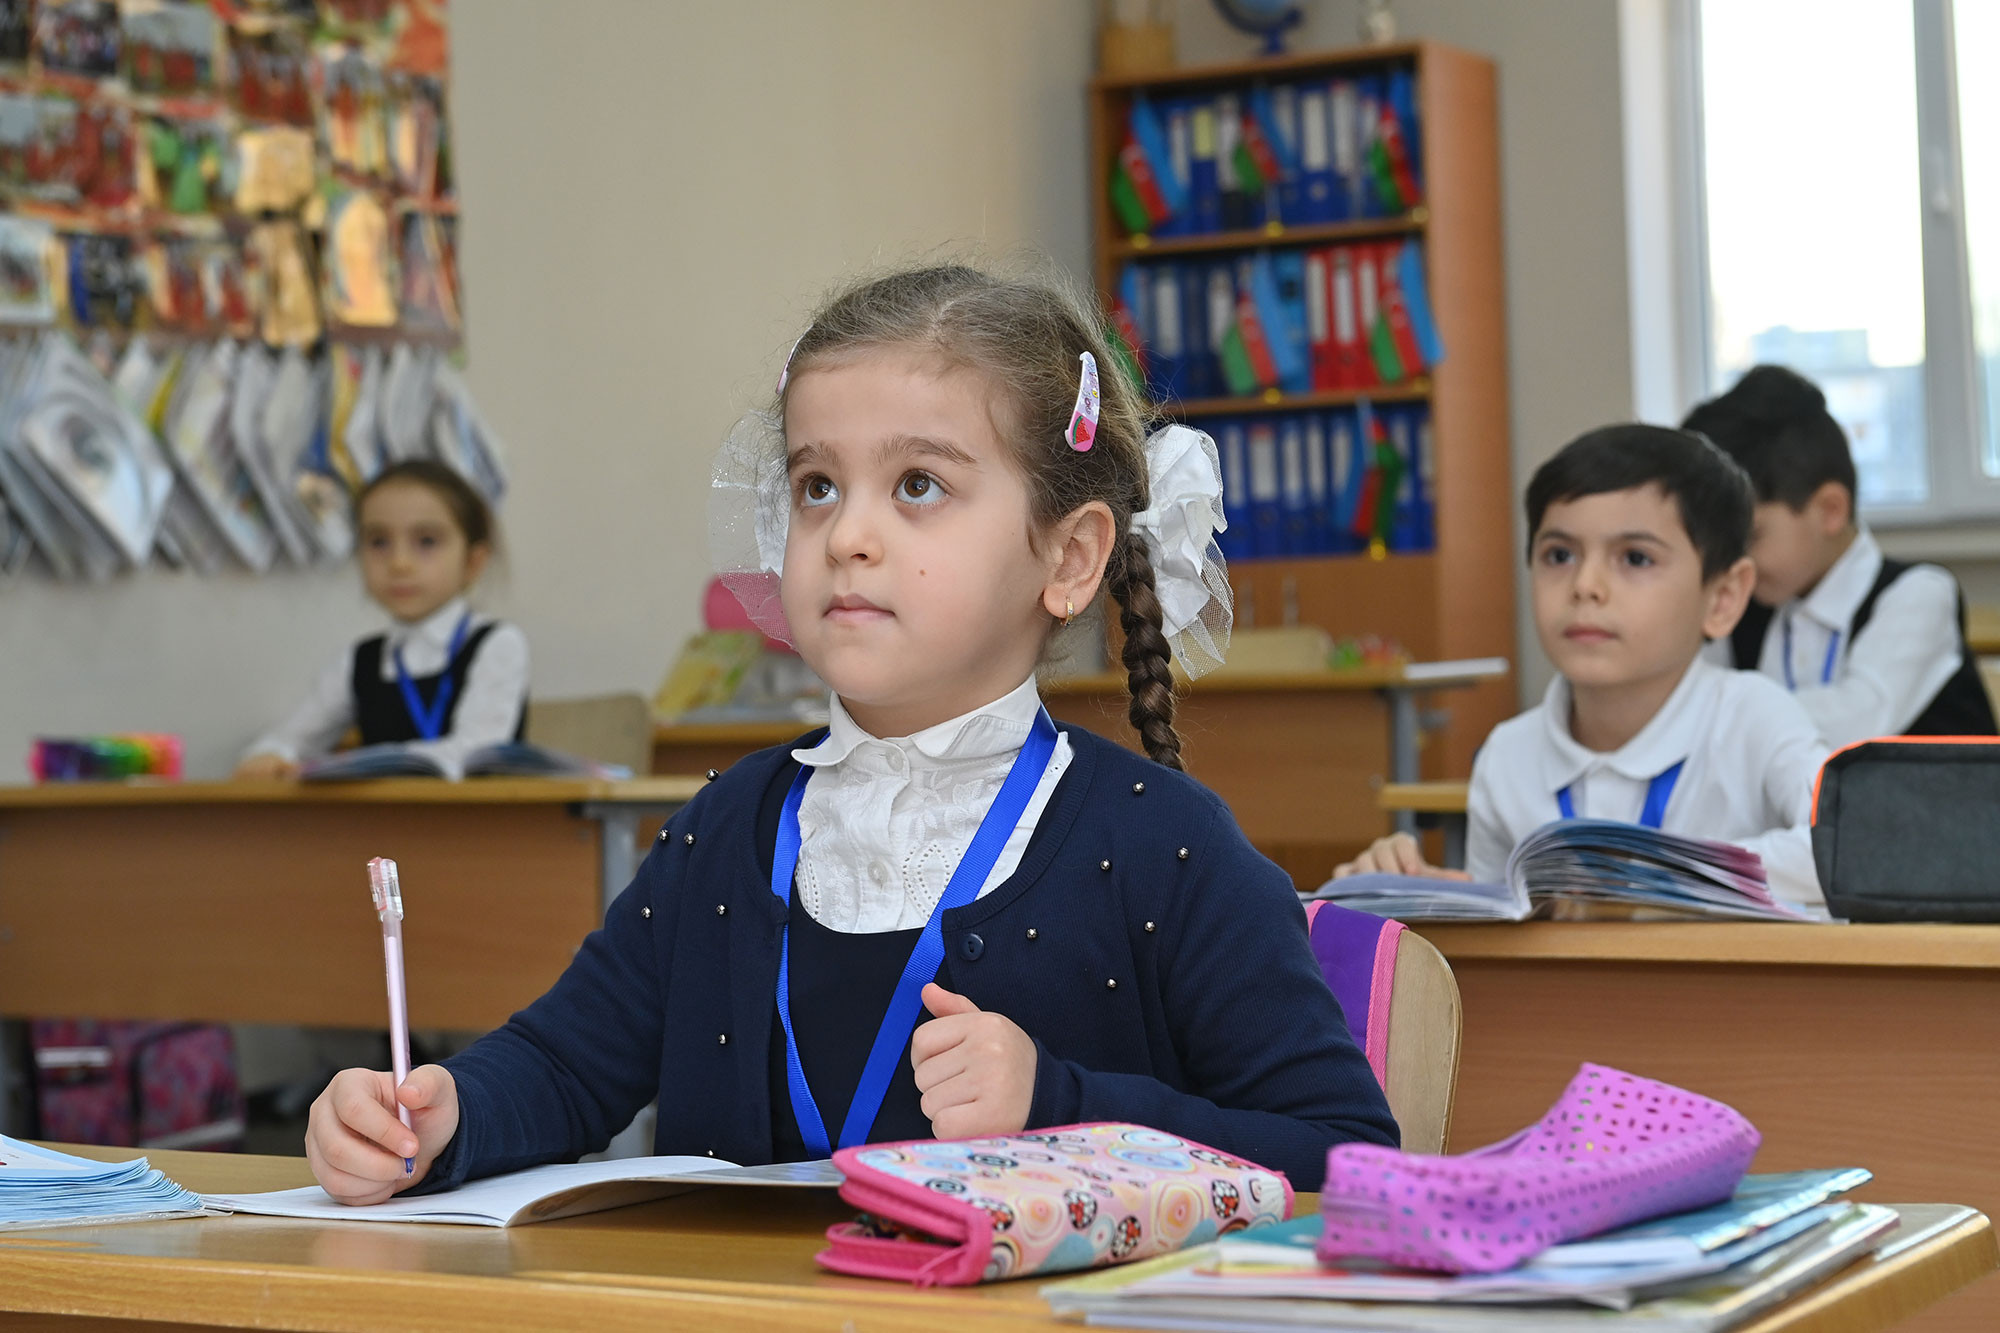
<point>1872,1045</point>
<point>248,902</point>
<point>716,1259</point>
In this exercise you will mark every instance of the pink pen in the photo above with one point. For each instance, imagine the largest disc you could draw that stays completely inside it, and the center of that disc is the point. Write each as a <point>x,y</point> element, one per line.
<point>387,891</point>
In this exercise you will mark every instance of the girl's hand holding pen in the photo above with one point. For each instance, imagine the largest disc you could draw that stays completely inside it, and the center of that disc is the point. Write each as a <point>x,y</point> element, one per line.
<point>357,1145</point>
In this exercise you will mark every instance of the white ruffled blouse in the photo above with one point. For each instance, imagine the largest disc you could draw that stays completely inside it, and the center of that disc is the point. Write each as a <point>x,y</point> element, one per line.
<point>885,821</point>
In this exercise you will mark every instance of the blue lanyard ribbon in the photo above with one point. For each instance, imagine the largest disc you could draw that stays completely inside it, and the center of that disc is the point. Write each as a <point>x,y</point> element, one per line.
<point>430,721</point>
<point>901,1018</point>
<point>1826,668</point>
<point>1658,792</point>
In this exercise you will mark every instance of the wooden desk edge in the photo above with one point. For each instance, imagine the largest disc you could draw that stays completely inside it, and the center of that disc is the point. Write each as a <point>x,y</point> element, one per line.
<point>1954,1259</point>
<point>1725,942</point>
<point>236,1294</point>
<point>1424,798</point>
<point>385,791</point>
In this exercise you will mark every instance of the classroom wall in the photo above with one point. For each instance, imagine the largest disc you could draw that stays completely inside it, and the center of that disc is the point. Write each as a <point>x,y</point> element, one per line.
<point>653,198</point>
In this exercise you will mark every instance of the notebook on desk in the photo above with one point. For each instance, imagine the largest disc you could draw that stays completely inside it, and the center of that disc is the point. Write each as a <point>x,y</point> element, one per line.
<point>1575,868</point>
<point>503,759</point>
<point>538,1194</point>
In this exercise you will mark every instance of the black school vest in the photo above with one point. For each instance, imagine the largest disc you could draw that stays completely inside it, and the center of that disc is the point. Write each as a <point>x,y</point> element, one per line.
<point>1960,708</point>
<point>840,985</point>
<point>379,709</point>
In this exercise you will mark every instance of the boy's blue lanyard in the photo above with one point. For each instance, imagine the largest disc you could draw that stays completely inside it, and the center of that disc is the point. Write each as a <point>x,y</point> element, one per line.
<point>901,1019</point>
<point>1826,669</point>
<point>430,721</point>
<point>1658,792</point>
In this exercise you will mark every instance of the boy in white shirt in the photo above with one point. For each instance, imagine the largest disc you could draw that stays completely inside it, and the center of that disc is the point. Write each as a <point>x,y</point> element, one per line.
<point>1637,555</point>
<point>1870,646</point>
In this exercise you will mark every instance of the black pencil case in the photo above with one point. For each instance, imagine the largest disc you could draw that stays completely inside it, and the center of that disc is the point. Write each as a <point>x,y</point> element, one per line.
<point>1907,828</point>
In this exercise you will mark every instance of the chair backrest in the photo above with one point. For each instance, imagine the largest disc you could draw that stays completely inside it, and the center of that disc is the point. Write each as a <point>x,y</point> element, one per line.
<point>610,728</point>
<point>1402,1005</point>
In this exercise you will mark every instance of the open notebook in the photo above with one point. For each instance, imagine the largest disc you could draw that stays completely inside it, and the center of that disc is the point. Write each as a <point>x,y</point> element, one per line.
<point>502,759</point>
<point>538,1194</point>
<point>1641,871</point>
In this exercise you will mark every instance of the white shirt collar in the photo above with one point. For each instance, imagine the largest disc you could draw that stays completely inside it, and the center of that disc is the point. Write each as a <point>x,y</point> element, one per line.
<point>995,729</point>
<point>1837,596</point>
<point>434,629</point>
<point>1660,744</point>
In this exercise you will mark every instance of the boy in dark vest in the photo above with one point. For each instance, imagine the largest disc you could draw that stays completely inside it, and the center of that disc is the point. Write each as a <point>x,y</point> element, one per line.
<point>1869,645</point>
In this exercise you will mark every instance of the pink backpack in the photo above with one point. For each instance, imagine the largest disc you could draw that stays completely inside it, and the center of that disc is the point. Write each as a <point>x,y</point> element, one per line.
<point>1357,956</point>
<point>132,1084</point>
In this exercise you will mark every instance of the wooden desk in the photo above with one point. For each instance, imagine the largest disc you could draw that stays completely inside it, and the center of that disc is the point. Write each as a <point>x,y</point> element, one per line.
<point>1869,1045</point>
<point>716,1259</point>
<point>1296,754</point>
<point>247,902</point>
<point>1982,630</point>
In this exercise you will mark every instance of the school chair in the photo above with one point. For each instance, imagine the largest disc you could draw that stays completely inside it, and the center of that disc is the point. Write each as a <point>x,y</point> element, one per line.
<point>610,728</point>
<point>1402,1006</point>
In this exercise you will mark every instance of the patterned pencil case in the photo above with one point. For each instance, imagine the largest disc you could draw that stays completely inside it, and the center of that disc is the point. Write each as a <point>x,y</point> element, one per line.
<point>1615,1149</point>
<point>1078,1196</point>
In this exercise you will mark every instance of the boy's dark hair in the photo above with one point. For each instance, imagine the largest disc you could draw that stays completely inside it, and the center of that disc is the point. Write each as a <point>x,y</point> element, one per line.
<point>1711,490</point>
<point>1774,422</point>
<point>468,507</point>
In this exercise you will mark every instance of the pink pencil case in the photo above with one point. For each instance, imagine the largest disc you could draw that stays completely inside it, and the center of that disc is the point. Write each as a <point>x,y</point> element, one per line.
<point>1615,1149</point>
<point>1078,1196</point>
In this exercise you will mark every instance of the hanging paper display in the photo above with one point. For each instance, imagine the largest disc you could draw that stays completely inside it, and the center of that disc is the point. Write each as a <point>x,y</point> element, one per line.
<point>228,277</point>
<point>154,121</point>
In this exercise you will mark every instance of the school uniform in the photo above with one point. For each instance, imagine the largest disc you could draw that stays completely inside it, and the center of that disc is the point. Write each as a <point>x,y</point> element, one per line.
<point>469,670</point>
<point>1159,963</point>
<point>1877,648</point>
<point>1730,757</point>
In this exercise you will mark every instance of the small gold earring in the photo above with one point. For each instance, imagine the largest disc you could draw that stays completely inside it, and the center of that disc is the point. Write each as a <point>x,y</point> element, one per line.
<point>1069,610</point>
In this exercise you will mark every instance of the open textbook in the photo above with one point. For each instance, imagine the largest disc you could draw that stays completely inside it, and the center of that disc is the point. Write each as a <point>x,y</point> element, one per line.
<point>503,759</point>
<point>538,1194</point>
<point>1587,861</point>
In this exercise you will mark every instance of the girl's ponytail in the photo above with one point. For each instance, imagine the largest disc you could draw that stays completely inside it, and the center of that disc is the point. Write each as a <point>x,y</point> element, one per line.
<point>1147,654</point>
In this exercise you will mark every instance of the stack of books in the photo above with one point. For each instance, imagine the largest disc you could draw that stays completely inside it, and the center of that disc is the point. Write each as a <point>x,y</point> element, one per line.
<point>1697,1272</point>
<point>1640,872</point>
<point>40,1187</point>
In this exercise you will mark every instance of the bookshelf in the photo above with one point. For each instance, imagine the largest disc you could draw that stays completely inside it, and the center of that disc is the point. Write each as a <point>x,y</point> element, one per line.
<point>1456,598</point>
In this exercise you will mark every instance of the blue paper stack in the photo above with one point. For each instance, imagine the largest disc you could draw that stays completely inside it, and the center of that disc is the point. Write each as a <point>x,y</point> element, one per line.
<point>43,1188</point>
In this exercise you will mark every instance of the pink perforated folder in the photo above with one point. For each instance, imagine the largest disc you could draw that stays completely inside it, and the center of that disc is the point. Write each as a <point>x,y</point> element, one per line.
<point>1615,1149</point>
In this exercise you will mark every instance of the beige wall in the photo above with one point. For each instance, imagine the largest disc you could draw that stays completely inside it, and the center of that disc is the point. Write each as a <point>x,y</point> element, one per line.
<point>650,209</point>
<point>654,193</point>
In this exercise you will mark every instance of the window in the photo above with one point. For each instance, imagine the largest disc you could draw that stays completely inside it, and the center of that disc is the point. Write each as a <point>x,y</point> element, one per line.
<point>1849,206</point>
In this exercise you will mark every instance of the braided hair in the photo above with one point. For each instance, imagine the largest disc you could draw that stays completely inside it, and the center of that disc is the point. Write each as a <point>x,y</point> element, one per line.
<point>1023,336</point>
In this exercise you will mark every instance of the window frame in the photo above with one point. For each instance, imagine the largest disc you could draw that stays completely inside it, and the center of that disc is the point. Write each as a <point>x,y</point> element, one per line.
<point>1960,491</point>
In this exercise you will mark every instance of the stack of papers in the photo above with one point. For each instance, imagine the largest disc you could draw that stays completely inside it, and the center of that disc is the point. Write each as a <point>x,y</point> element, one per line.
<point>1700,1271</point>
<point>40,1187</point>
<point>1587,861</point>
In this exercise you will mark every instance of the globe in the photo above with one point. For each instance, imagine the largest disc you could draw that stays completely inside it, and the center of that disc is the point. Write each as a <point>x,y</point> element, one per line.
<point>1262,18</point>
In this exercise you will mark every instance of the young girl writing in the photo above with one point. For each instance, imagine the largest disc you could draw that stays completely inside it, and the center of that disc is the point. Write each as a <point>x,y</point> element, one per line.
<point>442,677</point>
<point>945,916</point>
